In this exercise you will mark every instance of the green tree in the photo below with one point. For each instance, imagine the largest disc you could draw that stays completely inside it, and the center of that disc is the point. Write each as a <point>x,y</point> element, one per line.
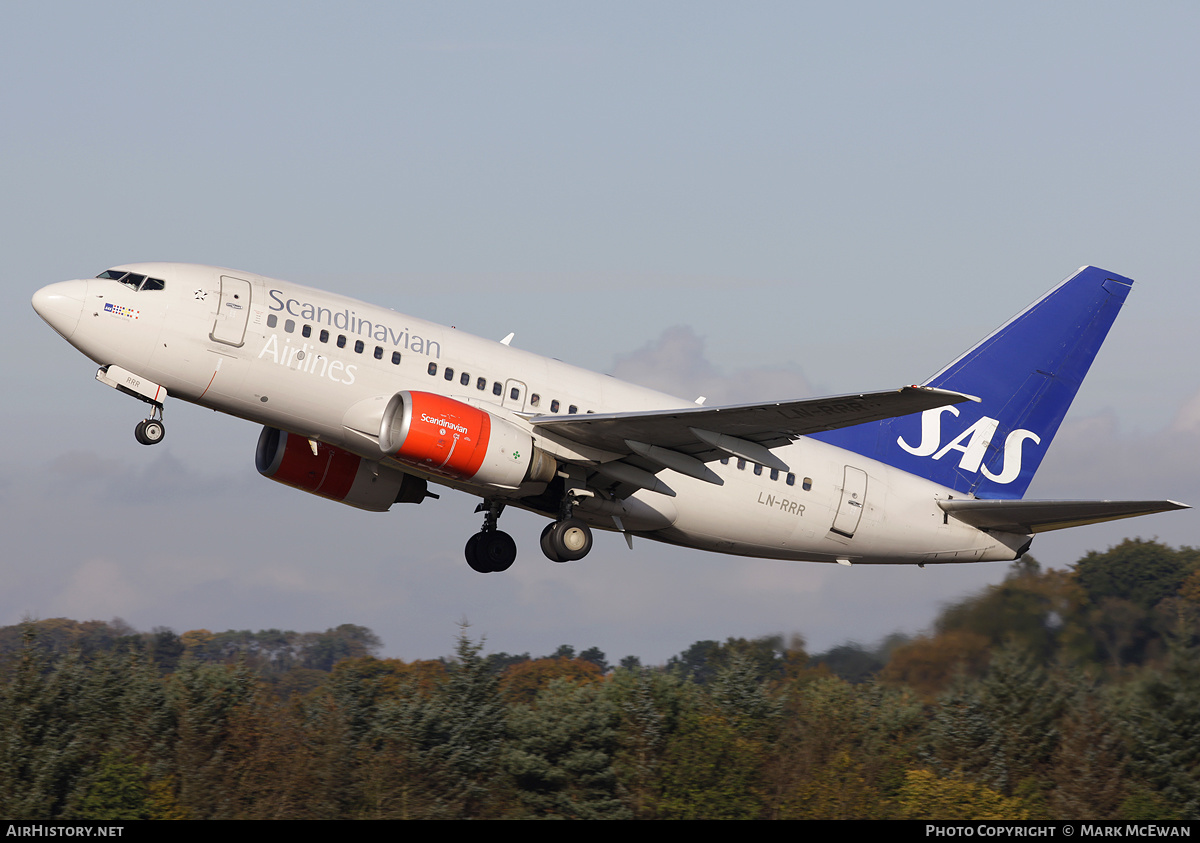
<point>1090,757</point>
<point>1162,723</point>
<point>648,705</point>
<point>711,770</point>
<point>1000,731</point>
<point>117,791</point>
<point>1142,572</point>
<point>560,754</point>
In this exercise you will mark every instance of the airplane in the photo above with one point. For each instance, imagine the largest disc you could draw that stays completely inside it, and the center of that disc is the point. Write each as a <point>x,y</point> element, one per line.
<point>368,407</point>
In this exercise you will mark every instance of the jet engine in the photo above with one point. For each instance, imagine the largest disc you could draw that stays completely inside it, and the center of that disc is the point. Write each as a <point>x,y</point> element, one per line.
<point>333,473</point>
<point>443,436</point>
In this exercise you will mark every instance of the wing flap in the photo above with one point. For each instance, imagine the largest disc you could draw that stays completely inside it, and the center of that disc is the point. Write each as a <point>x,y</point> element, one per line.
<point>1019,516</point>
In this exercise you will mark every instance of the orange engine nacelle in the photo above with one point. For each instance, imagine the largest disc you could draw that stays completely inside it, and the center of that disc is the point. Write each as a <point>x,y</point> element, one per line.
<point>333,473</point>
<point>447,437</point>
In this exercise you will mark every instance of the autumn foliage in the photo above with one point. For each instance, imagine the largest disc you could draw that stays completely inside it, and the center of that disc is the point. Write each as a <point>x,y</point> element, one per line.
<point>1055,694</point>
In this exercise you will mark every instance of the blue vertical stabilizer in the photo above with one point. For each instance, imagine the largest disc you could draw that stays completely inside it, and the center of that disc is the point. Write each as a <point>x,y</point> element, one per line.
<point>1026,373</point>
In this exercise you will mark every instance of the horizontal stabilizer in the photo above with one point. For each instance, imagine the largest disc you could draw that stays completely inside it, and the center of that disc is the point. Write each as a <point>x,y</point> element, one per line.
<point>1042,516</point>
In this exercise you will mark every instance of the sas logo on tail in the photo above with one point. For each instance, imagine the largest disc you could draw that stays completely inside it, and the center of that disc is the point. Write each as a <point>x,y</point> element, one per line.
<point>972,443</point>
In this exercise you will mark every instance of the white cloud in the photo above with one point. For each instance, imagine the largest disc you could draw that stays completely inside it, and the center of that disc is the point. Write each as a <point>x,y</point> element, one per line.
<point>675,363</point>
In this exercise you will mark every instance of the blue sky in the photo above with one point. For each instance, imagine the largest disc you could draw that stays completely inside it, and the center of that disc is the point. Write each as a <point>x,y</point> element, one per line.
<point>755,201</point>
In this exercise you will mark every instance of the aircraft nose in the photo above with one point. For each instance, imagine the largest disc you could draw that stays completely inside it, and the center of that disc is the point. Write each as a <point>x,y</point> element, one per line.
<point>61,305</point>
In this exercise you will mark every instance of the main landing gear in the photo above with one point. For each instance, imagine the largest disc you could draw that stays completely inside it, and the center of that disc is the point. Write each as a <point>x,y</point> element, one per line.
<point>491,550</point>
<point>566,540</point>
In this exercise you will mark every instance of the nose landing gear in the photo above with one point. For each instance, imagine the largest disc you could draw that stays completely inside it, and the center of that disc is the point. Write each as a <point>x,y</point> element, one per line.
<point>148,431</point>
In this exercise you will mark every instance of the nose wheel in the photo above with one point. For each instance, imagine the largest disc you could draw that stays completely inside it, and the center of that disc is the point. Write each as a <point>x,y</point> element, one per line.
<point>149,431</point>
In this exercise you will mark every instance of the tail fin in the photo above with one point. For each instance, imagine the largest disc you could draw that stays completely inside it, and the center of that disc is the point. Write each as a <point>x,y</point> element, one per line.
<point>1026,373</point>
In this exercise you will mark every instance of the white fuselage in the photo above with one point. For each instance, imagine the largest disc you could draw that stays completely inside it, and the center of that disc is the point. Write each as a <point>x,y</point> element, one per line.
<point>275,359</point>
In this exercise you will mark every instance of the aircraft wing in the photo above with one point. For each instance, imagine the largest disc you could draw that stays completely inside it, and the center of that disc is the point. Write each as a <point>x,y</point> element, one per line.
<point>1019,516</point>
<point>707,433</point>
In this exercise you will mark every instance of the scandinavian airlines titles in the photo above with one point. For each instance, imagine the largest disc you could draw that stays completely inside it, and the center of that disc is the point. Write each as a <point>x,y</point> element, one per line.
<point>346,320</point>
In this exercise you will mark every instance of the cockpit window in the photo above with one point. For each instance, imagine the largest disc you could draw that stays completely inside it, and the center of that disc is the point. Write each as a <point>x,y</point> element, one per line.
<point>133,280</point>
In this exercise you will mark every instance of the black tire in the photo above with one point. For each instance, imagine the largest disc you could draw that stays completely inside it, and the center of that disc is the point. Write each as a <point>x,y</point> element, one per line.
<point>139,433</point>
<point>498,550</point>
<point>547,542</point>
<point>571,539</point>
<point>475,559</point>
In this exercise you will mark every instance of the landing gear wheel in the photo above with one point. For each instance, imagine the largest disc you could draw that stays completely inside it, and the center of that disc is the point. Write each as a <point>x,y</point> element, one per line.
<point>569,539</point>
<point>548,543</point>
<point>149,431</point>
<point>477,562</point>
<point>153,431</point>
<point>491,551</point>
<point>499,549</point>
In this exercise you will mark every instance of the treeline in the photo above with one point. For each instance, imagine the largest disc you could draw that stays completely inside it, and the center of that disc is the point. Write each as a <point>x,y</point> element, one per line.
<point>1054,695</point>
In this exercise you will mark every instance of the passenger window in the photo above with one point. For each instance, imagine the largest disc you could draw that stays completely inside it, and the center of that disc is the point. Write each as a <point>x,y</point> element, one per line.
<point>807,486</point>
<point>554,406</point>
<point>341,343</point>
<point>791,480</point>
<point>272,320</point>
<point>572,409</point>
<point>289,325</point>
<point>741,465</point>
<point>449,373</point>
<point>324,337</point>
<point>515,393</point>
<point>758,469</point>
<point>306,331</point>
<point>481,384</point>
<point>534,400</point>
<point>774,473</point>
<point>379,352</point>
<point>358,346</point>
<point>497,389</point>
<point>395,358</point>
<point>433,368</point>
<point>465,379</point>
